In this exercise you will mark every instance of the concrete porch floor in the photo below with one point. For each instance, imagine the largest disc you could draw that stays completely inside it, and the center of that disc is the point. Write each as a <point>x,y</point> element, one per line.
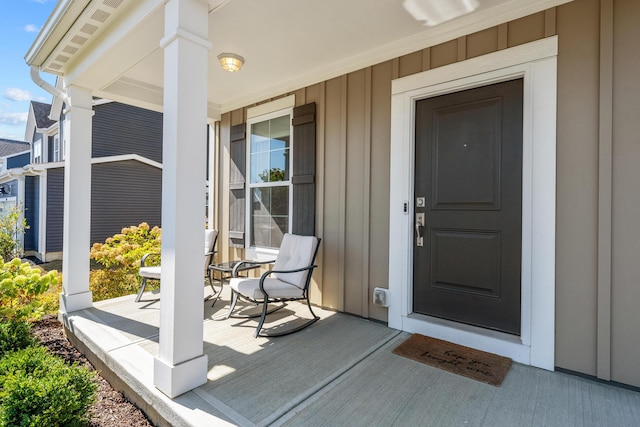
<point>338,372</point>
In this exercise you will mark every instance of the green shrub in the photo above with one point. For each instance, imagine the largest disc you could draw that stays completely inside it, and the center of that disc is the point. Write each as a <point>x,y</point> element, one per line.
<point>125,250</point>
<point>7,246</point>
<point>20,288</point>
<point>12,224</point>
<point>120,256</point>
<point>113,283</point>
<point>14,335</point>
<point>39,389</point>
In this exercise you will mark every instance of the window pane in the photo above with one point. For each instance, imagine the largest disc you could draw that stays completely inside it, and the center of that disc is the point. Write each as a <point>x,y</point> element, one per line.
<point>269,216</point>
<point>280,130</point>
<point>281,225</point>
<point>270,138</point>
<point>260,137</point>
<point>280,201</point>
<point>279,166</point>
<point>259,167</point>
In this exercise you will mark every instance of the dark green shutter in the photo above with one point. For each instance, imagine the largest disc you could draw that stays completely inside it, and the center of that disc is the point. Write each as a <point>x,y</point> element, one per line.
<point>237,149</point>
<point>304,170</point>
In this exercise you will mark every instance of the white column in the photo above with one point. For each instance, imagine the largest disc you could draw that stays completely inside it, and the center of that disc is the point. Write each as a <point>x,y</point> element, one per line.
<point>21,206</point>
<point>77,202</point>
<point>181,365</point>
<point>211,173</point>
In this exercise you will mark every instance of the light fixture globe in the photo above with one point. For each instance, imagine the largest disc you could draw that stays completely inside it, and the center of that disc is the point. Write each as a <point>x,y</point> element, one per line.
<point>230,62</point>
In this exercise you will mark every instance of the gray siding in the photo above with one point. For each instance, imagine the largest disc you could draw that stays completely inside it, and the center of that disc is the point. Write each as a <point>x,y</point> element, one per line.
<point>31,209</point>
<point>18,161</point>
<point>11,187</point>
<point>120,129</point>
<point>55,209</point>
<point>124,193</point>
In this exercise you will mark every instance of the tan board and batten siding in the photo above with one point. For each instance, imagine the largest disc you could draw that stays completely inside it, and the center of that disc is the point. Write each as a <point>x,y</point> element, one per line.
<point>598,239</point>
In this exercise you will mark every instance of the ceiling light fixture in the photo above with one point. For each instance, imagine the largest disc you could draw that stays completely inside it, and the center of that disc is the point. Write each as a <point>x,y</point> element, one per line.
<point>434,12</point>
<point>230,62</point>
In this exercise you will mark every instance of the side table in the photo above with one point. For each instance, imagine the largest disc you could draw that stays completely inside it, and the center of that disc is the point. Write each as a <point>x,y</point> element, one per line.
<point>224,269</point>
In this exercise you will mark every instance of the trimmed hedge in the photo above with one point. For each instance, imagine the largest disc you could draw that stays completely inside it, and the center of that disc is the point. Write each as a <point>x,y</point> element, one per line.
<point>14,335</point>
<point>39,389</point>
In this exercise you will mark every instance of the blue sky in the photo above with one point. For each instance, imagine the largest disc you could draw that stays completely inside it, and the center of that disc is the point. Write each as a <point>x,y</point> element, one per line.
<point>20,22</point>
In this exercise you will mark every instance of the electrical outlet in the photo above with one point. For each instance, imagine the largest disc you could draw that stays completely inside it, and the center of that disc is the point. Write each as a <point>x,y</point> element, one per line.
<point>381,297</point>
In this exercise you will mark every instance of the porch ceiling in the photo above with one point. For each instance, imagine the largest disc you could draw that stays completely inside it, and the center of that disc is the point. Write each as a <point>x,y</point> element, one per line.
<point>112,46</point>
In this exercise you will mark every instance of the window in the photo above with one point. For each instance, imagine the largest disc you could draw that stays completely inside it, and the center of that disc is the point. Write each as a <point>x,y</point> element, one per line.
<point>37,151</point>
<point>269,190</point>
<point>272,176</point>
<point>56,148</point>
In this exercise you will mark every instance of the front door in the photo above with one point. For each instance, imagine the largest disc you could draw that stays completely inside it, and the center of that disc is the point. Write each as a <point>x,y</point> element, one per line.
<point>468,206</point>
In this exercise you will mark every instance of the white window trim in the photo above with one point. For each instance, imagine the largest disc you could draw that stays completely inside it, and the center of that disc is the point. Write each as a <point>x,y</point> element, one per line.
<point>260,113</point>
<point>536,63</point>
<point>37,143</point>
<point>56,148</point>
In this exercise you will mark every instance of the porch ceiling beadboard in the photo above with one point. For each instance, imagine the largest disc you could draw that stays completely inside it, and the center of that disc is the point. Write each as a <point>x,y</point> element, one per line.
<point>113,47</point>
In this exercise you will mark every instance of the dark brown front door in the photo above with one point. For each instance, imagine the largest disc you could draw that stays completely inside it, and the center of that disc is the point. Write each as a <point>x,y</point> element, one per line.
<point>468,188</point>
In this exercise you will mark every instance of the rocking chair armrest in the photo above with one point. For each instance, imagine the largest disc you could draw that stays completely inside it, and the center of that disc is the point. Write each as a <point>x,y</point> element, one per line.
<point>147,255</point>
<point>270,272</point>
<point>297,270</point>
<point>234,272</point>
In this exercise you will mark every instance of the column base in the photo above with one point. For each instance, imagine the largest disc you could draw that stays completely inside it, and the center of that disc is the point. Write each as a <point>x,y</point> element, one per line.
<point>181,378</point>
<point>75,302</point>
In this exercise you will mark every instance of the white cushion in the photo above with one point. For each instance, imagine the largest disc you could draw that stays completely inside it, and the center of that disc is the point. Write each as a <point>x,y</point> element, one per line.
<point>295,252</point>
<point>275,288</point>
<point>150,272</point>
<point>153,272</point>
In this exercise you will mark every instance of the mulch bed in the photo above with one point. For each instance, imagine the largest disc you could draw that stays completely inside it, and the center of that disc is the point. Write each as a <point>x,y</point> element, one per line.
<point>111,409</point>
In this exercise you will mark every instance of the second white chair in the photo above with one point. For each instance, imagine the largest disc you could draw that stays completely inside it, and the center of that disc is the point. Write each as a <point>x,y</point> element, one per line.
<point>150,272</point>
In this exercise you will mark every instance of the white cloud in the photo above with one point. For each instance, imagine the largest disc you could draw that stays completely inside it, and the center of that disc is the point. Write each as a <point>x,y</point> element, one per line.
<point>11,135</point>
<point>13,118</point>
<point>30,28</point>
<point>18,95</point>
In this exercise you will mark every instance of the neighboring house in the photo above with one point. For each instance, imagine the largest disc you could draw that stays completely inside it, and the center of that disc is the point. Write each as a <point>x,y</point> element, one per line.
<point>13,154</point>
<point>126,173</point>
<point>482,168</point>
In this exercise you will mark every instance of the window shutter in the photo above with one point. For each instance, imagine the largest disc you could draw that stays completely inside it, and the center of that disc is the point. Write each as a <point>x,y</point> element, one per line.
<point>237,149</point>
<point>304,170</point>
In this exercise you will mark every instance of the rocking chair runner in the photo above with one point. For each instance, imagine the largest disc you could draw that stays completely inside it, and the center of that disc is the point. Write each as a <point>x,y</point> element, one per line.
<point>288,281</point>
<point>149,272</point>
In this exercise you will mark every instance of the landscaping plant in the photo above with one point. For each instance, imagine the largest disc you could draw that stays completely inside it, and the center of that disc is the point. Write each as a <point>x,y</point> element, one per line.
<point>12,224</point>
<point>39,389</point>
<point>14,335</point>
<point>21,286</point>
<point>120,256</point>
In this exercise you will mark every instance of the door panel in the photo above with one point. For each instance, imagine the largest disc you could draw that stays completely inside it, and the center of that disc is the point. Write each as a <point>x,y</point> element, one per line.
<point>469,170</point>
<point>465,172</point>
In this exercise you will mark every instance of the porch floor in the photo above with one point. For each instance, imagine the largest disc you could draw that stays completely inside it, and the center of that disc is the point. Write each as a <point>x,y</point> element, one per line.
<point>338,372</point>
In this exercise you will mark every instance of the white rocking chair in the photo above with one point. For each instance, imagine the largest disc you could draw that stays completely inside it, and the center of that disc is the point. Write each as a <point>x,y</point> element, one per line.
<point>288,281</point>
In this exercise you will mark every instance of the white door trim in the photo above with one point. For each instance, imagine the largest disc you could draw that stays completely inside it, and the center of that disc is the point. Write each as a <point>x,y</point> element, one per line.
<point>536,63</point>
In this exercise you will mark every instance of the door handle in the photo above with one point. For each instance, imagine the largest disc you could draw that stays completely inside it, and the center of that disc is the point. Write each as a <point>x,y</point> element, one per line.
<point>419,225</point>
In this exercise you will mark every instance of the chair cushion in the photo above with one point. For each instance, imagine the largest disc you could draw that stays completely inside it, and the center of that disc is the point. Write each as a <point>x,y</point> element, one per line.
<point>295,252</point>
<point>150,272</point>
<point>275,288</point>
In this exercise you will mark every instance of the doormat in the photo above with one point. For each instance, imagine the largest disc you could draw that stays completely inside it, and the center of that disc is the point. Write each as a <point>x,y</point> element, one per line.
<point>478,365</point>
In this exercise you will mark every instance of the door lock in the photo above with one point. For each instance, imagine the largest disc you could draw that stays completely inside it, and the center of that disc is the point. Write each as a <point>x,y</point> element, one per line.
<point>420,217</point>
